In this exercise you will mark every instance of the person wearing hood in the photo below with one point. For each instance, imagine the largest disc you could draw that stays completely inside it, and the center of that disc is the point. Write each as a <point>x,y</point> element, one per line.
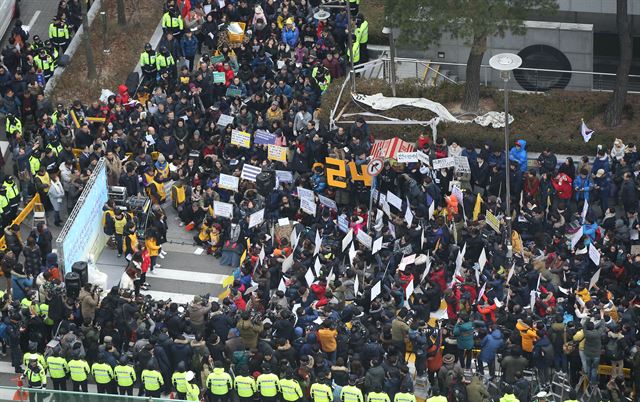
<point>543,356</point>
<point>489,347</point>
<point>617,151</point>
<point>477,391</point>
<point>290,33</point>
<point>518,153</point>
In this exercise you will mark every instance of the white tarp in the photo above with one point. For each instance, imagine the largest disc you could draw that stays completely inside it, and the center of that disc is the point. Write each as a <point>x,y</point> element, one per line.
<point>381,102</point>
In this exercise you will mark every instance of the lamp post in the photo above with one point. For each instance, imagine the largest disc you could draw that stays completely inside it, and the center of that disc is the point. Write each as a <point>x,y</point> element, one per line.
<point>392,58</point>
<point>505,63</point>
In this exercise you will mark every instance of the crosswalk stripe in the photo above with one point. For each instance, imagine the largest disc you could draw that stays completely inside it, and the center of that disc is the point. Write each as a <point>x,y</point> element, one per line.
<point>180,298</point>
<point>7,368</point>
<point>187,276</point>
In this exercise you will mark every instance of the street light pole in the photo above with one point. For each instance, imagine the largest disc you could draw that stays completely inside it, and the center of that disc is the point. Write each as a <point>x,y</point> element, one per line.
<point>505,63</point>
<point>392,58</point>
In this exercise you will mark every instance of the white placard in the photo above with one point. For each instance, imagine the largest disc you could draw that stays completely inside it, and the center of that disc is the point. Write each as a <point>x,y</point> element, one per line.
<point>284,176</point>
<point>283,221</point>
<point>481,293</point>
<point>261,255</point>
<point>409,289</point>
<point>455,190</point>
<point>408,216</point>
<point>282,286</point>
<point>308,206</point>
<point>328,202</point>
<point>377,245</point>
<point>318,243</point>
<point>256,218</point>
<point>432,209</point>
<point>376,290</point>
<point>364,238</point>
<point>228,182</point>
<point>585,209</point>
<point>223,209</point>
<point>309,277</point>
<point>352,253</point>
<point>462,164</point>
<point>594,278</point>
<point>576,237</point>
<point>407,157</point>
<point>394,200</point>
<point>594,254</point>
<point>408,260</point>
<point>224,120</point>
<point>427,269</point>
<point>347,239</point>
<point>482,260</point>
<point>305,193</point>
<point>511,272</point>
<point>443,163</point>
<point>287,263</point>
<point>317,267</point>
<point>356,285</point>
<point>422,157</point>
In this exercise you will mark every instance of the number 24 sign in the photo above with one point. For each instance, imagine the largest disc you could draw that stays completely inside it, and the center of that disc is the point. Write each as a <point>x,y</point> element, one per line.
<point>336,170</point>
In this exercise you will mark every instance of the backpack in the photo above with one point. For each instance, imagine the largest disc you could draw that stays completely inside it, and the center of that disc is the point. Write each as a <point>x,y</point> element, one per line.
<point>457,392</point>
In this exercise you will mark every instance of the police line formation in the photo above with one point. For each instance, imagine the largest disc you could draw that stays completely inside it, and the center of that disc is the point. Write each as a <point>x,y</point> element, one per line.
<point>332,298</point>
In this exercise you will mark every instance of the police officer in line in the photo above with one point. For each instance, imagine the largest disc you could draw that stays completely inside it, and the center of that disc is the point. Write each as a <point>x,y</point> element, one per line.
<point>79,371</point>
<point>172,22</point>
<point>125,376</point>
<point>179,381</point>
<point>245,385</point>
<point>13,195</point>
<point>148,64</point>
<point>25,303</point>
<point>268,385</point>
<point>152,380</point>
<point>351,393</point>
<point>321,391</point>
<point>193,391</point>
<point>36,377</point>
<point>219,383</point>
<point>12,127</point>
<point>59,33</point>
<point>404,395</point>
<point>290,387</point>
<point>103,375</point>
<point>378,395</point>
<point>58,370</point>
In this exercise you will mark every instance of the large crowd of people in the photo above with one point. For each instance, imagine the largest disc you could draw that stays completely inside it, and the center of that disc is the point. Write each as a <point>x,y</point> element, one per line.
<point>339,292</point>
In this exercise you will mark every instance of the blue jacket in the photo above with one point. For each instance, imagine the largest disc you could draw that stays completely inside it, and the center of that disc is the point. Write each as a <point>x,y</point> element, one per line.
<point>18,285</point>
<point>602,163</point>
<point>583,183</point>
<point>290,36</point>
<point>464,335</point>
<point>520,156</point>
<point>319,182</point>
<point>189,46</point>
<point>490,345</point>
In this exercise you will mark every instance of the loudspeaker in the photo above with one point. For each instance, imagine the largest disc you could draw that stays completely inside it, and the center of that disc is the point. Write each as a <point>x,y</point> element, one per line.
<point>72,284</point>
<point>265,182</point>
<point>132,82</point>
<point>82,269</point>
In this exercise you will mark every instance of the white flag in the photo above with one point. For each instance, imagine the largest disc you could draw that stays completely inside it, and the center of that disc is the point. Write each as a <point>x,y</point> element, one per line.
<point>318,243</point>
<point>594,278</point>
<point>481,293</point>
<point>586,132</point>
<point>585,209</point>
<point>356,285</point>
<point>432,209</point>
<point>482,260</point>
<point>511,272</point>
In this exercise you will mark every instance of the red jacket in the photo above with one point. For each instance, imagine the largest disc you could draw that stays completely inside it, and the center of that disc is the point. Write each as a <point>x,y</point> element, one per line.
<point>562,184</point>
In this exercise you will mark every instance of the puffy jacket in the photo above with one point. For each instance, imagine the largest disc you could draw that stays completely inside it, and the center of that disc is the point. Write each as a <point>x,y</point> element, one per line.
<point>520,156</point>
<point>584,184</point>
<point>528,336</point>
<point>290,36</point>
<point>464,335</point>
<point>543,353</point>
<point>490,345</point>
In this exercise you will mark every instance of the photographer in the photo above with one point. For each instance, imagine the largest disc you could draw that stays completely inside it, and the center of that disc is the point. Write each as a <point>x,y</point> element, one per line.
<point>197,313</point>
<point>89,299</point>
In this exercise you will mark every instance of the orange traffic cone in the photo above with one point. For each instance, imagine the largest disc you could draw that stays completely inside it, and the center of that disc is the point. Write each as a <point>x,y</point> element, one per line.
<point>20,394</point>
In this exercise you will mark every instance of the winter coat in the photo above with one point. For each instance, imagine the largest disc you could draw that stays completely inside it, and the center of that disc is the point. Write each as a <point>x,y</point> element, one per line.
<point>198,313</point>
<point>543,353</point>
<point>19,283</point>
<point>490,345</point>
<point>181,352</point>
<point>290,36</point>
<point>464,335</point>
<point>520,156</point>
<point>476,391</point>
<point>189,46</point>
<point>592,343</point>
<point>88,304</point>
<point>584,184</point>
<point>56,194</point>
<point>249,332</point>
<point>32,260</point>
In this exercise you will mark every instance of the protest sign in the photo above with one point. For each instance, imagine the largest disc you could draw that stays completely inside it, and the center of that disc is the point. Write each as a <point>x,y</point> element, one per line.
<point>306,194</point>
<point>364,238</point>
<point>284,176</point>
<point>224,120</point>
<point>233,92</point>
<point>594,254</point>
<point>219,78</point>
<point>263,137</point>
<point>308,206</point>
<point>394,200</point>
<point>492,221</point>
<point>256,218</point>
<point>241,138</point>
<point>228,182</point>
<point>223,209</point>
<point>328,202</point>
<point>277,153</point>
<point>422,157</point>
<point>462,164</point>
<point>443,163</point>
<point>407,157</point>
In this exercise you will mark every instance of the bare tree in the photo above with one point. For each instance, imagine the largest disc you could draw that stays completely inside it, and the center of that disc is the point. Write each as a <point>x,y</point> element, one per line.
<point>122,13</point>
<point>613,114</point>
<point>92,74</point>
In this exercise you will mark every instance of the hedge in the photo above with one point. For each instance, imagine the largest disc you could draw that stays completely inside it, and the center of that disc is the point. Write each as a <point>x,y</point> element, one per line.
<point>545,120</point>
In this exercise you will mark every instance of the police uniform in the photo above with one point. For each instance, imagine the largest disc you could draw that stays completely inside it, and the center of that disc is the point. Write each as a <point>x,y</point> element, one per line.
<point>321,392</point>
<point>219,383</point>
<point>125,377</point>
<point>58,370</point>
<point>351,393</point>
<point>119,224</point>
<point>103,375</point>
<point>404,397</point>
<point>378,397</point>
<point>36,377</point>
<point>148,64</point>
<point>291,390</point>
<point>152,382</point>
<point>245,387</point>
<point>172,23</point>
<point>268,386</point>
<point>59,33</point>
<point>179,382</point>
<point>79,370</point>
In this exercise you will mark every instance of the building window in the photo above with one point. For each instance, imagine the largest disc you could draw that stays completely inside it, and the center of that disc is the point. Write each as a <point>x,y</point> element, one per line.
<point>546,58</point>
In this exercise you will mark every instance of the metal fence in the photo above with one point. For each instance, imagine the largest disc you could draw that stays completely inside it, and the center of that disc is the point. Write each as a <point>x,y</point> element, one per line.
<point>529,79</point>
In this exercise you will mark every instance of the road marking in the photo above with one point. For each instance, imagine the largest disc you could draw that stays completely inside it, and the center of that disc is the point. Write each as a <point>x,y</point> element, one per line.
<point>34,18</point>
<point>179,298</point>
<point>178,275</point>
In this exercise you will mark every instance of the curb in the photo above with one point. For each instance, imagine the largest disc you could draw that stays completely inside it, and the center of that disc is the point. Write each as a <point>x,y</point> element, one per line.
<point>73,46</point>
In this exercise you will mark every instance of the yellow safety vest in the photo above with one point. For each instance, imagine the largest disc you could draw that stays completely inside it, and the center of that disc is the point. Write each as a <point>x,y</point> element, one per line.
<point>164,173</point>
<point>268,384</point>
<point>79,370</point>
<point>36,377</point>
<point>378,397</point>
<point>179,381</point>
<point>58,367</point>
<point>12,190</point>
<point>168,21</point>
<point>290,389</point>
<point>102,373</point>
<point>164,62</point>
<point>27,356</point>
<point>13,127</point>
<point>364,31</point>
<point>46,181</point>
<point>219,382</point>
<point>178,195</point>
<point>404,397</point>
<point>245,386</point>
<point>34,164</point>
<point>120,224</point>
<point>355,49</point>
<point>350,393</point>
<point>321,392</point>
<point>147,59</point>
<point>152,380</point>
<point>125,375</point>
<point>4,202</point>
<point>193,392</point>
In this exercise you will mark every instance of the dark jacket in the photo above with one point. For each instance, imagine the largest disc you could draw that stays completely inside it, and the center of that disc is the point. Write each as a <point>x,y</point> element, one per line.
<point>181,352</point>
<point>490,346</point>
